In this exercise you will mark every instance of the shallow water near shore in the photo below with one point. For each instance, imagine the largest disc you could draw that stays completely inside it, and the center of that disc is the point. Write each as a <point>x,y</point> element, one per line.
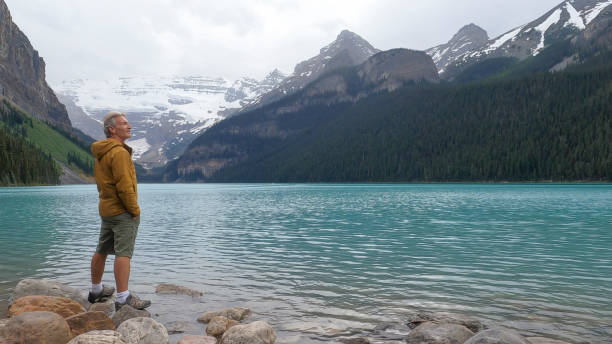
<point>323,261</point>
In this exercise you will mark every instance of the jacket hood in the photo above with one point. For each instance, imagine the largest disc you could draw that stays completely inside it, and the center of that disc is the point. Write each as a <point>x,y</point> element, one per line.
<point>99,148</point>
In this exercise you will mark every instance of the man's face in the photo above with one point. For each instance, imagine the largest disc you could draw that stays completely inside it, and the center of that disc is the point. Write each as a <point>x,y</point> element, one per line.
<point>122,128</point>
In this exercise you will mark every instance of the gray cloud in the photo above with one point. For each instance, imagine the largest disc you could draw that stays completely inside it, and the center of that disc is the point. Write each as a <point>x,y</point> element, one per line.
<point>88,39</point>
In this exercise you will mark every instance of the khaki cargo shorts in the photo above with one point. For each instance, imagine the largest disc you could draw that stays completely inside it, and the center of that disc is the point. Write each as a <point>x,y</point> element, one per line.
<point>118,235</point>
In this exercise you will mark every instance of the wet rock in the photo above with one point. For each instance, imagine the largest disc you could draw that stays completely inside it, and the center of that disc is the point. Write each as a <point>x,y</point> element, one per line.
<point>89,321</point>
<point>543,340</point>
<point>236,313</point>
<point>435,333</point>
<point>497,335</point>
<point>254,333</point>
<point>197,340</point>
<point>471,323</point>
<point>37,327</point>
<point>98,337</point>
<point>167,288</point>
<point>107,307</point>
<point>128,312</point>
<point>218,325</point>
<point>391,331</point>
<point>143,331</point>
<point>61,305</point>
<point>28,287</point>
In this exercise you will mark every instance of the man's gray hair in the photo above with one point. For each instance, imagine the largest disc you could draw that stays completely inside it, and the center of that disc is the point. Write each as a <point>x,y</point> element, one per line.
<point>109,121</point>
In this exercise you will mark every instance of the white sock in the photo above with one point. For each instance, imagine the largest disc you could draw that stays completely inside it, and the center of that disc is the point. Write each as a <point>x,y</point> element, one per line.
<point>122,296</point>
<point>96,288</point>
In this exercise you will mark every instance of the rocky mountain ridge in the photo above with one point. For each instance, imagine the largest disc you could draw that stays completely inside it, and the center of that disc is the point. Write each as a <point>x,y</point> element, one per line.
<point>22,75</point>
<point>348,49</point>
<point>467,47</point>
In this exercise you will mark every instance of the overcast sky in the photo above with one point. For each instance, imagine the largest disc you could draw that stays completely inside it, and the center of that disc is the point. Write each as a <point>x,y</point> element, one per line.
<point>102,39</point>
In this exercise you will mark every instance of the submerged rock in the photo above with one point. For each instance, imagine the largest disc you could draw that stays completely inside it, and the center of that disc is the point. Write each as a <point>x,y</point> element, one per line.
<point>98,337</point>
<point>143,331</point>
<point>235,313</point>
<point>89,321</point>
<point>28,287</point>
<point>61,305</point>
<point>497,335</point>
<point>36,327</point>
<point>254,333</point>
<point>435,333</point>
<point>128,312</point>
<point>471,323</point>
<point>355,341</point>
<point>167,288</point>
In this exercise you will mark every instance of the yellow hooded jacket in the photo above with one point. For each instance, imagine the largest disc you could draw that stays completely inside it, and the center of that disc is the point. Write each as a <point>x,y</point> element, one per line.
<point>116,178</point>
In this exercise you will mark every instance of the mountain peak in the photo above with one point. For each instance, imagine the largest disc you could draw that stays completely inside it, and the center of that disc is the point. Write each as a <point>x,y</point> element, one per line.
<point>359,49</point>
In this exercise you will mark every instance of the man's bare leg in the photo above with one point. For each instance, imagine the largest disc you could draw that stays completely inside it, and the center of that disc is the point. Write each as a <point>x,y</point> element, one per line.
<point>98,262</point>
<point>122,273</point>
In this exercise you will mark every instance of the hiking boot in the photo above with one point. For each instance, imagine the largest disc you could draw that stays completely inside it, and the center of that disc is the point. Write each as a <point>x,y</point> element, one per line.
<point>106,292</point>
<point>134,301</point>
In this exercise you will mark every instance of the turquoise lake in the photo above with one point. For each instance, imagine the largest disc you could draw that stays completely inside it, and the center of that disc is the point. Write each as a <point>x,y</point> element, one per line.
<point>324,261</point>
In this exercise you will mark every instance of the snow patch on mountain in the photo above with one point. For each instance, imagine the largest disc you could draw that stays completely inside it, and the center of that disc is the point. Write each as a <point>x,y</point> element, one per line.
<point>592,13</point>
<point>501,40</point>
<point>543,27</point>
<point>575,19</point>
<point>139,147</point>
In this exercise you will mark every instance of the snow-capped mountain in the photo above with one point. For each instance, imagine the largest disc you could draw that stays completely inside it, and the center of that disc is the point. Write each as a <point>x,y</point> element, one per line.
<point>348,49</point>
<point>166,112</point>
<point>563,21</point>
<point>467,39</point>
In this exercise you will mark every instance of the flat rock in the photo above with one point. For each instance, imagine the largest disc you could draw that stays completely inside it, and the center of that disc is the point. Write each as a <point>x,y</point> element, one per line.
<point>143,331</point>
<point>257,332</point>
<point>128,312</point>
<point>37,327</point>
<point>28,287</point>
<point>197,340</point>
<point>167,288</point>
<point>471,323</point>
<point>89,321</point>
<point>235,313</point>
<point>497,335</point>
<point>98,337</point>
<point>218,325</point>
<point>436,333</point>
<point>61,305</point>
<point>544,340</point>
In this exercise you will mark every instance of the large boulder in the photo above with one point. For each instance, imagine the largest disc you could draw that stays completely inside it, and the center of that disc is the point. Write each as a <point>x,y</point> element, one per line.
<point>98,337</point>
<point>167,288</point>
<point>257,332</point>
<point>143,331</point>
<point>471,323</point>
<point>89,321</point>
<point>436,333</point>
<point>36,327</point>
<point>61,305</point>
<point>29,287</point>
<point>497,335</point>
<point>191,339</point>
<point>236,313</point>
<point>218,325</point>
<point>128,312</point>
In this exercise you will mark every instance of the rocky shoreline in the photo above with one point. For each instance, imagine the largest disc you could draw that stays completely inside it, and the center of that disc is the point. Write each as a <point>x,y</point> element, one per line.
<point>42,311</point>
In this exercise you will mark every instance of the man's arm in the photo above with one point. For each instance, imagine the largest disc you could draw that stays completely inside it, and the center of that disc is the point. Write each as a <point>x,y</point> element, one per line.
<point>125,182</point>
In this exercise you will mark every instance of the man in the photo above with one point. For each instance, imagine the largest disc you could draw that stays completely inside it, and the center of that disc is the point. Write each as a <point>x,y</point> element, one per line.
<point>116,178</point>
